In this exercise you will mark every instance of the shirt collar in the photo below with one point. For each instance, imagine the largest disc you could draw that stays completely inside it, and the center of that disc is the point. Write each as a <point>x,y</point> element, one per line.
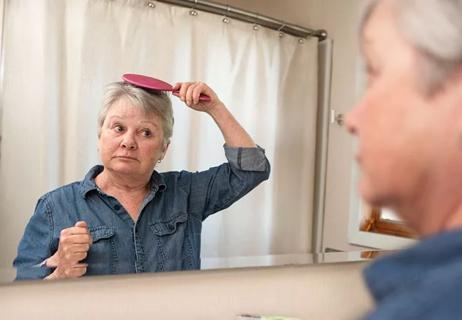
<point>88,184</point>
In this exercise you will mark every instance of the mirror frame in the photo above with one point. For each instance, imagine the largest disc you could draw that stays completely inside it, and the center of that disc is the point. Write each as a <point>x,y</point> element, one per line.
<point>376,223</point>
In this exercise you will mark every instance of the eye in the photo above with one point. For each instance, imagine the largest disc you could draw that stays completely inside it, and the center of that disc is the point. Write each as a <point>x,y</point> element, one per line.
<point>371,74</point>
<point>146,133</point>
<point>118,128</point>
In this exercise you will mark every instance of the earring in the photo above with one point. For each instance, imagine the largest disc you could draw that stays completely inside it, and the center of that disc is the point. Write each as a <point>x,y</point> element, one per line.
<point>159,161</point>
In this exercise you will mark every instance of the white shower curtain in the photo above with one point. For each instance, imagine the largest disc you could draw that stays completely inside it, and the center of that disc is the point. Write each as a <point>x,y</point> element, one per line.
<point>59,55</point>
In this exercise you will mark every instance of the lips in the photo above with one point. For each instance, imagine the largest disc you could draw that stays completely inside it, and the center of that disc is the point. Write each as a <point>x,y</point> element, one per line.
<point>125,158</point>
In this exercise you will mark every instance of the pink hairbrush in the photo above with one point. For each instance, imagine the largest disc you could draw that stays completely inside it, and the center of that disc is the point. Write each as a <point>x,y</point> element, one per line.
<point>155,84</point>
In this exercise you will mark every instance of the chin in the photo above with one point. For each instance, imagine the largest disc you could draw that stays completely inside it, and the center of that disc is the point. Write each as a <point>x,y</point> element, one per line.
<point>370,194</point>
<point>124,169</point>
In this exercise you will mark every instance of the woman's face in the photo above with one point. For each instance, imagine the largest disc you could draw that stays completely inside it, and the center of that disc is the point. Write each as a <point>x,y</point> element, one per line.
<point>131,142</point>
<point>408,139</point>
<point>393,120</point>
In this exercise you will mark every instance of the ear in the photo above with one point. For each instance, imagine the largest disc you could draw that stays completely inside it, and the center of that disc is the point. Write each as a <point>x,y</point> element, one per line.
<point>164,150</point>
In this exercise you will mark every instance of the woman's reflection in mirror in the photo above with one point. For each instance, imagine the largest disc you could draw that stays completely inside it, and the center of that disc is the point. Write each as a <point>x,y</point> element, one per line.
<point>124,216</point>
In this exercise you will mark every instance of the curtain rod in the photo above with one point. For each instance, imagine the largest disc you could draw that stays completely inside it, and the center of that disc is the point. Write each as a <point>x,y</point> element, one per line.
<point>247,16</point>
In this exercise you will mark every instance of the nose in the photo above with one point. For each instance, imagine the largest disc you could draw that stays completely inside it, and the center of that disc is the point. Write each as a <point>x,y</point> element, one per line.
<point>129,142</point>
<point>352,119</point>
<point>350,123</point>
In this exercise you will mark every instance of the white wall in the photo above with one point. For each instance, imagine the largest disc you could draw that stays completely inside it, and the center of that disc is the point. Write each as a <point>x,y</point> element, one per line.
<point>340,19</point>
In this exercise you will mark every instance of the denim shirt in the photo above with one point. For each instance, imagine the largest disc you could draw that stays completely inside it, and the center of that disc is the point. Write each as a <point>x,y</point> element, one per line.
<point>423,282</point>
<point>167,233</point>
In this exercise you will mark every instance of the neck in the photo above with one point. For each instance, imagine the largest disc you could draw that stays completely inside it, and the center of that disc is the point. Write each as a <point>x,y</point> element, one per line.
<point>454,221</point>
<point>437,208</point>
<point>110,182</point>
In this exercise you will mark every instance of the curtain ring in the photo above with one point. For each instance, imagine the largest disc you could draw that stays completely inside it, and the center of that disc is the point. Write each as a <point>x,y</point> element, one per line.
<point>225,18</point>
<point>193,11</point>
<point>256,26</point>
<point>281,33</point>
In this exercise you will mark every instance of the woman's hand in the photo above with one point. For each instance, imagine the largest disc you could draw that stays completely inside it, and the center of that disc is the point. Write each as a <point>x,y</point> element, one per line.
<point>189,93</point>
<point>74,243</point>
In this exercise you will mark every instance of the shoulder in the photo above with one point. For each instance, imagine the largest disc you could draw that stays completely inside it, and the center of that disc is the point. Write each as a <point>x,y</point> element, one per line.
<point>437,296</point>
<point>59,200</point>
<point>76,188</point>
<point>63,191</point>
<point>174,177</point>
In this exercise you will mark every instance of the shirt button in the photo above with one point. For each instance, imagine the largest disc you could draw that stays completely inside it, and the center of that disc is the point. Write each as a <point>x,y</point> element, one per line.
<point>117,207</point>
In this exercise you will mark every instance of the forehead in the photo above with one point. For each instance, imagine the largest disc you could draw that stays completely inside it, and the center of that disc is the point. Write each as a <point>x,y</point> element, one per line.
<point>124,108</point>
<point>383,43</point>
<point>381,25</point>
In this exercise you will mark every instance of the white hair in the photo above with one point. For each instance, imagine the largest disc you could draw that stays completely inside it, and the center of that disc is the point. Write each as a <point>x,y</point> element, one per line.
<point>434,29</point>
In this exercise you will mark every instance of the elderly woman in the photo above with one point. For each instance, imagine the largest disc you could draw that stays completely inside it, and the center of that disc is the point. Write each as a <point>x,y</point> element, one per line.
<point>409,127</point>
<point>124,217</point>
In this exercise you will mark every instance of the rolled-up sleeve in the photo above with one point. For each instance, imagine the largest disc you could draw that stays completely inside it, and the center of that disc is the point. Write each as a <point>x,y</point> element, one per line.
<point>219,187</point>
<point>247,159</point>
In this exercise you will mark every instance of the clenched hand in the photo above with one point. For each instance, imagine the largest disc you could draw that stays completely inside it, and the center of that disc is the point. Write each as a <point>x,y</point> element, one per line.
<point>74,243</point>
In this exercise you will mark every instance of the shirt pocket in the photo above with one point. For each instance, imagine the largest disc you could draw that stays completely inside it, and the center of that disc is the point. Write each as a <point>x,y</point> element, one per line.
<point>102,256</point>
<point>172,247</point>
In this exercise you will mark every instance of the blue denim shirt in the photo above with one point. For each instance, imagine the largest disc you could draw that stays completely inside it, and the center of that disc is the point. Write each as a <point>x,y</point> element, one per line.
<point>165,237</point>
<point>423,282</point>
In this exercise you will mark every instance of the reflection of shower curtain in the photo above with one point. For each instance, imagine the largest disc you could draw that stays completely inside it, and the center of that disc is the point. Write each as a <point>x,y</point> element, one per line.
<point>60,54</point>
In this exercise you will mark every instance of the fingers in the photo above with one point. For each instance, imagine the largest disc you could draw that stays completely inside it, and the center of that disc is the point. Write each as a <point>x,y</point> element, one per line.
<point>73,247</point>
<point>79,233</point>
<point>81,224</point>
<point>74,271</point>
<point>81,247</point>
<point>74,243</point>
<point>177,86</point>
<point>75,238</point>
<point>182,90</point>
<point>72,258</point>
<point>77,270</point>
<point>72,253</point>
<point>190,93</point>
<point>76,248</point>
<point>197,89</point>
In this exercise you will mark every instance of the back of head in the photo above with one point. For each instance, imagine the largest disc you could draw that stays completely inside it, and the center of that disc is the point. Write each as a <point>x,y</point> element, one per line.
<point>151,101</point>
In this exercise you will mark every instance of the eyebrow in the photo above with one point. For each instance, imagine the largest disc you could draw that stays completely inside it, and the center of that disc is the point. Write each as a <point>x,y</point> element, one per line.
<point>142,122</point>
<point>149,122</point>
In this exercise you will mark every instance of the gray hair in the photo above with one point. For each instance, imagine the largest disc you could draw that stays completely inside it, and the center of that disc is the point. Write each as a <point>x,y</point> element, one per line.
<point>151,101</point>
<point>434,29</point>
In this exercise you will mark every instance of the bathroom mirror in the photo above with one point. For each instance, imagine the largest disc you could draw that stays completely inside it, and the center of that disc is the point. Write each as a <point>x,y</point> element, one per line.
<point>55,67</point>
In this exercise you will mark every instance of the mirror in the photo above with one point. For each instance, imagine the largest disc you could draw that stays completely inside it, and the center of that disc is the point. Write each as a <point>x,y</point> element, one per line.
<point>54,74</point>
